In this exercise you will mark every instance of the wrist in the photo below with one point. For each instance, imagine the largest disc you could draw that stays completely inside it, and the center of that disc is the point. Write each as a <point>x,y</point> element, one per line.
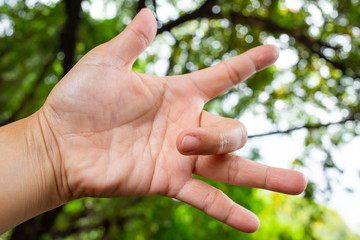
<point>29,171</point>
<point>44,152</point>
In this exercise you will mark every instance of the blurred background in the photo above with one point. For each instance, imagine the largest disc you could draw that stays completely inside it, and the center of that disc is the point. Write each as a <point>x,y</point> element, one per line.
<point>302,113</point>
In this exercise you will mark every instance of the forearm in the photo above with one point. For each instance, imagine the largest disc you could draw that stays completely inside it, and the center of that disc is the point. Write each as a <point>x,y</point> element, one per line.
<point>28,183</point>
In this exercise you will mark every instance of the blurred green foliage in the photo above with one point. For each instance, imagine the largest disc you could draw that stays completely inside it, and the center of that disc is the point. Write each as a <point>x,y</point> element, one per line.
<point>318,92</point>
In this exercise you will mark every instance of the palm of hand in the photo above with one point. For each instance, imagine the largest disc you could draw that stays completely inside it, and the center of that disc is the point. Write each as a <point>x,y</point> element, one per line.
<point>123,122</point>
<point>121,133</point>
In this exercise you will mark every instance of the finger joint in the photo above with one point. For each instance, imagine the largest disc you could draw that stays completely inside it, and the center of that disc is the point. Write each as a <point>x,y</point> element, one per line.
<point>210,200</point>
<point>233,170</point>
<point>143,38</point>
<point>233,74</point>
<point>266,177</point>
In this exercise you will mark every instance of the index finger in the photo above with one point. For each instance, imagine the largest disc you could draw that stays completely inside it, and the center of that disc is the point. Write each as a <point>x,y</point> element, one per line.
<point>215,80</point>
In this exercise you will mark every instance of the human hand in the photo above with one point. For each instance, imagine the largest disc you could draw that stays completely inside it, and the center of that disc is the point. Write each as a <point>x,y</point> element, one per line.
<point>115,132</point>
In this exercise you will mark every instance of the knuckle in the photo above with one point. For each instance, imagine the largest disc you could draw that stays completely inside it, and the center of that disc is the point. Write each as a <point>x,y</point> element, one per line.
<point>229,213</point>
<point>233,74</point>
<point>233,170</point>
<point>210,200</point>
<point>266,178</point>
<point>223,143</point>
<point>235,137</point>
<point>251,62</point>
<point>142,37</point>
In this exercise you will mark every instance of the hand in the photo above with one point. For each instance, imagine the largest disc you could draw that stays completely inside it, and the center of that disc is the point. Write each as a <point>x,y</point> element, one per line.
<point>122,133</point>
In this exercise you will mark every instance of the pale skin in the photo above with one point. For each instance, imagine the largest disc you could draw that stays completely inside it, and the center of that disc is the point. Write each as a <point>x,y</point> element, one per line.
<point>106,131</point>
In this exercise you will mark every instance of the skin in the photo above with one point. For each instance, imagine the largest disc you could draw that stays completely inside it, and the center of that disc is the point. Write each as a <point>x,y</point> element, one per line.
<point>106,131</point>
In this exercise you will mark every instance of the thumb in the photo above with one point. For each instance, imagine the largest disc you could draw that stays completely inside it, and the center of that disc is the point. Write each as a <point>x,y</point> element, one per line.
<point>136,37</point>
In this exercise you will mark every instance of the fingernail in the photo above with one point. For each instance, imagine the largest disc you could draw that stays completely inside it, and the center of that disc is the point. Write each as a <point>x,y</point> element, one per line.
<point>190,144</point>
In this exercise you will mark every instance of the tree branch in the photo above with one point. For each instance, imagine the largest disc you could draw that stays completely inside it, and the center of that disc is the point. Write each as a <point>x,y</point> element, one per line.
<point>68,36</point>
<point>307,126</point>
<point>203,11</point>
<point>299,34</point>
